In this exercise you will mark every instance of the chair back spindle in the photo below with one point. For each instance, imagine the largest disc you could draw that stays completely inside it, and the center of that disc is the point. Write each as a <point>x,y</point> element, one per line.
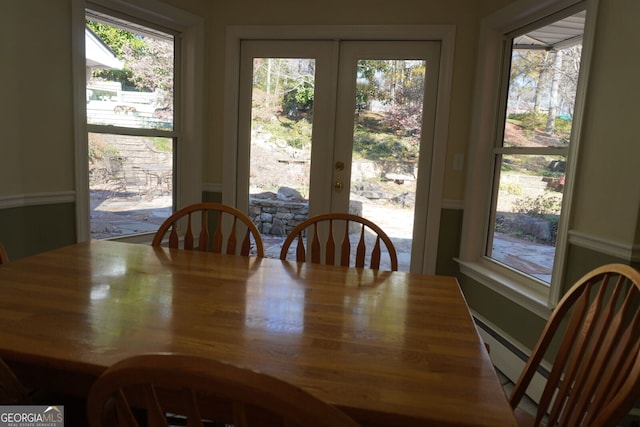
<point>595,378</point>
<point>316,246</point>
<point>4,257</point>
<point>239,223</point>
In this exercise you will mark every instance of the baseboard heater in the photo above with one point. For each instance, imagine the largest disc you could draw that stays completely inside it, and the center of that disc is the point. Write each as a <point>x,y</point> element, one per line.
<point>509,356</point>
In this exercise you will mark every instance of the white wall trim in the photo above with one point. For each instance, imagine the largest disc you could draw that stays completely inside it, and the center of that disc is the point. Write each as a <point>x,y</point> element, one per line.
<point>212,187</point>
<point>37,199</point>
<point>624,251</point>
<point>453,204</point>
<point>503,283</point>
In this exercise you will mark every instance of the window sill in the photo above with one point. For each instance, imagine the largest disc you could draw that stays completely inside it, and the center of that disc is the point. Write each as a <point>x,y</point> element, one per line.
<point>507,286</point>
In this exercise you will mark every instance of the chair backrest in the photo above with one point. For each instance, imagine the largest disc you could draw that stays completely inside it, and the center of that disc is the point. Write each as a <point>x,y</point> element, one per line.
<point>595,378</point>
<point>336,238</point>
<point>202,216</point>
<point>4,257</point>
<point>198,389</point>
<point>12,392</point>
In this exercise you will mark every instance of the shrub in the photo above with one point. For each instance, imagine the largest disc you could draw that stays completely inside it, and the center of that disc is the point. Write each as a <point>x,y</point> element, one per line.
<point>543,206</point>
<point>512,188</point>
<point>530,121</point>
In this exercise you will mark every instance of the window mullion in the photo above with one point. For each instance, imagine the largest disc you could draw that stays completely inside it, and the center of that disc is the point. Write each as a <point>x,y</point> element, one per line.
<point>550,151</point>
<point>131,131</point>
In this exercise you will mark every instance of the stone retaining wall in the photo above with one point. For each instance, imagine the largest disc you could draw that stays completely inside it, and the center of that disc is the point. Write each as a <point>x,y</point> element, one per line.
<point>279,217</point>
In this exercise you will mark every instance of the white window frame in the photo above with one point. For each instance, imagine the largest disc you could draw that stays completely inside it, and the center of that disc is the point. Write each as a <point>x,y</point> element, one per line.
<point>487,118</point>
<point>188,108</point>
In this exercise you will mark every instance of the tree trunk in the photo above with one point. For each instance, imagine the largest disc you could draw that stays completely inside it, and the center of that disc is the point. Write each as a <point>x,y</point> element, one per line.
<point>553,95</point>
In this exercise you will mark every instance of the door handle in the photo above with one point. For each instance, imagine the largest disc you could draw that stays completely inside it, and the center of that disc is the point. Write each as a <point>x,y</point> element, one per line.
<point>338,185</point>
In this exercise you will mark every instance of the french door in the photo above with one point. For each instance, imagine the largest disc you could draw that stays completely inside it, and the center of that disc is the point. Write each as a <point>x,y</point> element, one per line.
<point>343,126</point>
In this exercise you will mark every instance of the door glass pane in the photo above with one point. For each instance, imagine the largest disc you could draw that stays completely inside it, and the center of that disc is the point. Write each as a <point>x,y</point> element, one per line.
<point>531,158</point>
<point>281,122</point>
<point>386,145</point>
<point>130,184</point>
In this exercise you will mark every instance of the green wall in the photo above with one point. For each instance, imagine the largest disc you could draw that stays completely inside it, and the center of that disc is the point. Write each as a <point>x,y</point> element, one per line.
<point>30,230</point>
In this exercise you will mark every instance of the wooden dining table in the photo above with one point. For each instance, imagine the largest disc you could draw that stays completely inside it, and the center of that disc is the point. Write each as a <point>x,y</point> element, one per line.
<point>389,348</point>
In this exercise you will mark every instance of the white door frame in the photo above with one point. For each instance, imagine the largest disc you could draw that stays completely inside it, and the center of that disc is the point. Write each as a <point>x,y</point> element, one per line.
<point>445,34</point>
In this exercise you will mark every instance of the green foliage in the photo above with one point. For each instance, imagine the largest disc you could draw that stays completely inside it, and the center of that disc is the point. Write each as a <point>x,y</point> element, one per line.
<point>284,89</point>
<point>368,86</point>
<point>375,146</point>
<point>542,206</point>
<point>563,125</point>
<point>116,38</point>
<point>529,165</point>
<point>162,144</point>
<point>148,61</point>
<point>530,121</point>
<point>295,133</point>
<point>99,150</point>
<point>374,140</point>
<point>512,188</point>
<point>299,99</point>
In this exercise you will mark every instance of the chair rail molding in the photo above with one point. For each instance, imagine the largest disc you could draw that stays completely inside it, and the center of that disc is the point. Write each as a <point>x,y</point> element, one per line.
<point>454,204</point>
<point>212,187</point>
<point>625,251</point>
<point>37,199</point>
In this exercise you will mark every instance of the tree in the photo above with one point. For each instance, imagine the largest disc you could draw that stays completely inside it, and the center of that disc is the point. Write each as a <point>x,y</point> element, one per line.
<point>368,82</point>
<point>287,83</point>
<point>148,61</point>
<point>406,84</point>
<point>152,67</point>
<point>545,80</point>
<point>115,39</point>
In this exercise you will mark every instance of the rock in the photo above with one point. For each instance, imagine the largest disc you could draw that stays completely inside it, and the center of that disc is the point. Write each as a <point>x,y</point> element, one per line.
<point>535,227</point>
<point>289,195</point>
<point>268,195</point>
<point>278,228</point>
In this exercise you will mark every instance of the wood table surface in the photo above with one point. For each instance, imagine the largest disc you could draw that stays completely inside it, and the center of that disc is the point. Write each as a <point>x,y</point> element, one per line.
<point>389,348</point>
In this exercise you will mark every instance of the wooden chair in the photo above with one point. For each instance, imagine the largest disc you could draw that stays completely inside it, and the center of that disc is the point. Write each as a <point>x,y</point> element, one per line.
<point>315,249</point>
<point>195,389</point>
<point>4,257</point>
<point>12,392</point>
<point>207,213</point>
<point>595,329</point>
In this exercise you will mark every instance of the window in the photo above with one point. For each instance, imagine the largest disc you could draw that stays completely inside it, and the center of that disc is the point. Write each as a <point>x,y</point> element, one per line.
<point>139,128</point>
<point>130,109</point>
<point>524,194</point>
